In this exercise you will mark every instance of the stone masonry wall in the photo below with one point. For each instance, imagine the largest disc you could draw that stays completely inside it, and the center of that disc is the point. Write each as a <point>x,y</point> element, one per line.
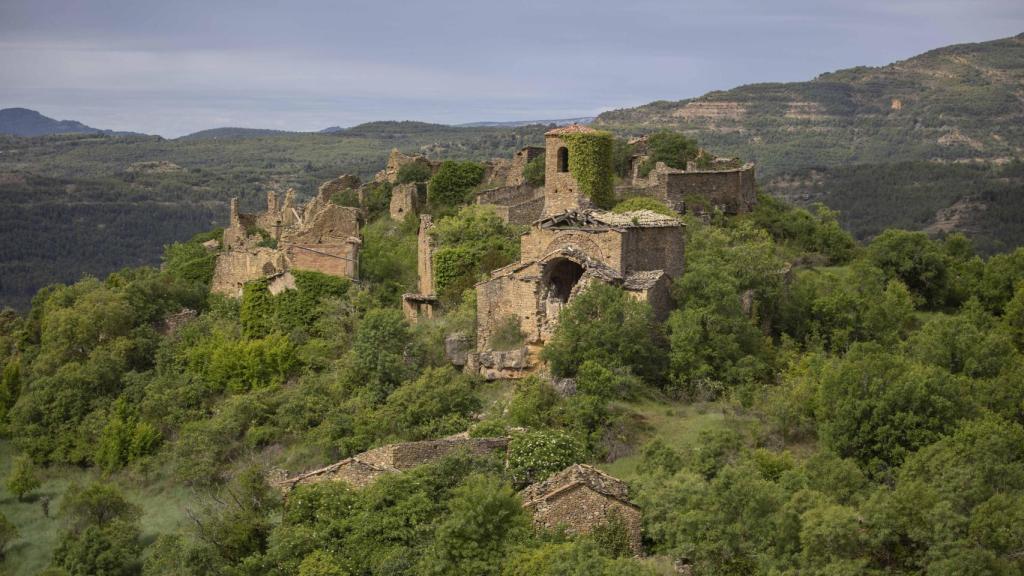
<point>561,191</point>
<point>733,189</point>
<point>580,510</point>
<point>405,199</point>
<point>654,249</point>
<point>603,245</point>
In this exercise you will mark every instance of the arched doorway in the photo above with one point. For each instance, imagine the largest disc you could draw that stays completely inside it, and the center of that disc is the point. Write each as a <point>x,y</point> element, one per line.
<point>560,276</point>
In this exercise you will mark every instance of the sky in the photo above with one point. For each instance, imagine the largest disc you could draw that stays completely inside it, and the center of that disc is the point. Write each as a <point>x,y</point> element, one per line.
<point>177,66</point>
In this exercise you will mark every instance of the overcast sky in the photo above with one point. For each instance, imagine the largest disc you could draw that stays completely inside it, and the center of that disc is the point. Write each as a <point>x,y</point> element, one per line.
<point>176,66</point>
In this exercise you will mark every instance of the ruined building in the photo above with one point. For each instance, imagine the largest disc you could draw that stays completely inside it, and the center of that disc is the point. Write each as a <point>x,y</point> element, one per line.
<point>570,246</point>
<point>516,201</point>
<point>578,499</point>
<point>722,184</point>
<point>320,236</point>
<point>421,304</point>
<point>581,498</point>
<point>362,469</point>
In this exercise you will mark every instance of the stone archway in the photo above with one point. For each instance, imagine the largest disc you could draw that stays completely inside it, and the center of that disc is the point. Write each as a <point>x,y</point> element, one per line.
<point>560,276</point>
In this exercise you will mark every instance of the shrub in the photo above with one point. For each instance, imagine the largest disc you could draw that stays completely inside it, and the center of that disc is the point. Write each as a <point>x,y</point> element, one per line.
<point>672,148</point>
<point>643,203</point>
<point>470,244</point>
<point>8,533</point>
<point>507,334</point>
<point>452,181</point>
<point>22,478</point>
<point>533,456</point>
<point>533,172</point>
<point>414,172</point>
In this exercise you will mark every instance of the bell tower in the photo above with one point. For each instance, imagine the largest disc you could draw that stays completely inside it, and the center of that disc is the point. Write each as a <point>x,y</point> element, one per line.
<point>561,190</point>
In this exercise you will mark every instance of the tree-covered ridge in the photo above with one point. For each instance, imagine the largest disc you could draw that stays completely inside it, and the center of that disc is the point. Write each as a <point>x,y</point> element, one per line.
<point>955,102</point>
<point>848,408</point>
<point>92,204</point>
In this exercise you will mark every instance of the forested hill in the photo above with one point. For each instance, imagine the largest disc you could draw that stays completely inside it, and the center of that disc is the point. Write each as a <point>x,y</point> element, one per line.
<point>954,103</point>
<point>75,204</point>
<point>946,125</point>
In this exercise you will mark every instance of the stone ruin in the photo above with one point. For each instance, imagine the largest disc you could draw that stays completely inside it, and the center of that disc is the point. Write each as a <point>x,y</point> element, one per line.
<point>571,246</point>
<point>362,469</point>
<point>320,236</point>
<point>723,184</point>
<point>580,499</point>
<point>421,304</point>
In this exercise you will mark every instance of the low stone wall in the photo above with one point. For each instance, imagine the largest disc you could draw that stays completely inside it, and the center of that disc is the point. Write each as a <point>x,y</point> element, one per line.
<point>362,469</point>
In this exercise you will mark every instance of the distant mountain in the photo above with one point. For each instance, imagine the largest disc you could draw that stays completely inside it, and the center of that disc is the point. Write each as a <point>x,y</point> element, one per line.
<point>961,102</point>
<point>831,138</point>
<point>235,133</point>
<point>518,123</point>
<point>25,122</point>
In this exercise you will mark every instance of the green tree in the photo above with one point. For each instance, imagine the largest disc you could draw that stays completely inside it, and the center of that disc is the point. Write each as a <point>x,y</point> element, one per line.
<point>468,245</point>
<point>672,148</point>
<point>101,535</point>
<point>485,520</point>
<point>605,325</point>
<point>915,260</point>
<point>413,172</point>
<point>452,182</point>
<point>377,358</point>
<point>533,172</point>
<point>878,407</point>
<point>580,558</point>
<point>22,478</point>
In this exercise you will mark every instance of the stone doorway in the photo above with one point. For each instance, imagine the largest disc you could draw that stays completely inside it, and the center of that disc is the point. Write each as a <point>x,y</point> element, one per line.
<point>560,277</point>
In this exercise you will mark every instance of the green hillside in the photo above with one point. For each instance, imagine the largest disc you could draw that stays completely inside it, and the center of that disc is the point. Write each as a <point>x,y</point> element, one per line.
<point>932,142</point>
<point>92,203</point>
<point>953,103</point>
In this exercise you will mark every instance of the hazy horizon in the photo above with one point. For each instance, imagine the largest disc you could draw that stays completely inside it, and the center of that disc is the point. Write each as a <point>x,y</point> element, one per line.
<point>173,69</point>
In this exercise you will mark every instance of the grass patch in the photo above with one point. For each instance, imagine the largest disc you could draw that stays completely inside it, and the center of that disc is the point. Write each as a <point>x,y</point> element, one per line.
<point>677,424</point>
<point>163,511</point>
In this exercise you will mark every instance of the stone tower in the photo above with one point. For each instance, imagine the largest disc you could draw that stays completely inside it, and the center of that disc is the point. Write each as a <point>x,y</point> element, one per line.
<point>561,191</point>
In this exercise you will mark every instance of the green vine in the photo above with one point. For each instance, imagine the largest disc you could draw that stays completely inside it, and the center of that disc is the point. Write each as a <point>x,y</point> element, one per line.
<point>590,163</point>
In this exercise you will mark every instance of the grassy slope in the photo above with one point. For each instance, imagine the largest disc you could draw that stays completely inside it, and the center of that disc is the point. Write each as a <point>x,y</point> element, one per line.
<point>163,512</point>
<point>678,425</point>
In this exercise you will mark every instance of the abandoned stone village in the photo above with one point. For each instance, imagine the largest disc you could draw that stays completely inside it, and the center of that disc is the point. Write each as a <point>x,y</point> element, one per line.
<point>570,244</point>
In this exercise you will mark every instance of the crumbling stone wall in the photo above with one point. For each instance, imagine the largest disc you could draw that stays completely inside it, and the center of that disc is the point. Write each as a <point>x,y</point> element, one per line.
<point>732,190</point>
<point>236,267</point>
<point>519,161</point>
<point>519,204</point>
<point>322,237</point>
<point>579,510</point>
<point>406,199</point>
<point>362,469</point>
<point>422,303</point>
<point>395,162</point>
<point>581,499</point>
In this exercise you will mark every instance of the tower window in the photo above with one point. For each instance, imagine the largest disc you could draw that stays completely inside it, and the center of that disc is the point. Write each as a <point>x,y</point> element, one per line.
<point>563,159</point>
